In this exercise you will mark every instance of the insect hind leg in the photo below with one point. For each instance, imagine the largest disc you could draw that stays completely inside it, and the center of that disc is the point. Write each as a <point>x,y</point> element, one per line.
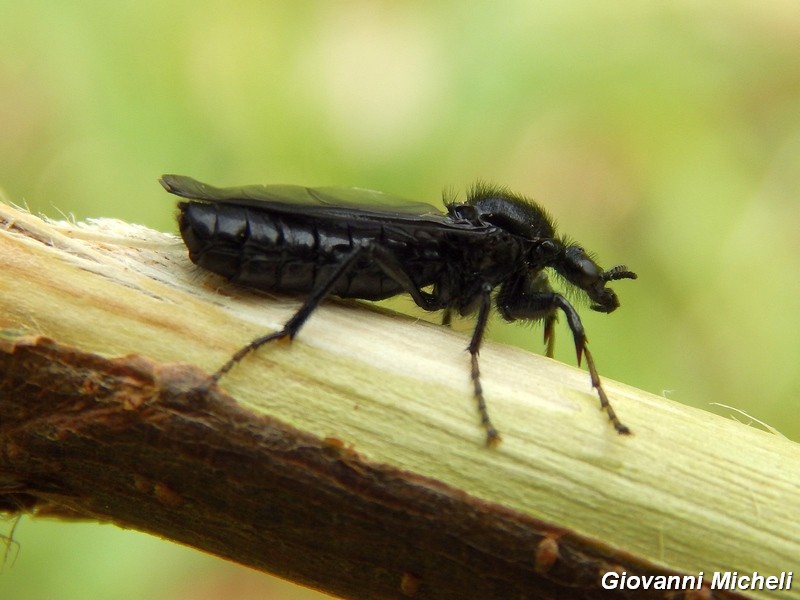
<point>382,257</point>
<point>293,325</point>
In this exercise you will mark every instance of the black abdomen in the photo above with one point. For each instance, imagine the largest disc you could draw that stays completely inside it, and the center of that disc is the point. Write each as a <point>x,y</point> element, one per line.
<point>286,253</point>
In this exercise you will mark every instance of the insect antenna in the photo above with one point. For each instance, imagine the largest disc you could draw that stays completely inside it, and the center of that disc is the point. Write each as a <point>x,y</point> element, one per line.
<point>618,272</point>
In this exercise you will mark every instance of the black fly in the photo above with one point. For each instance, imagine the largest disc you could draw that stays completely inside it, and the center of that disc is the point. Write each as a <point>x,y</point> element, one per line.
<point>355,243</point>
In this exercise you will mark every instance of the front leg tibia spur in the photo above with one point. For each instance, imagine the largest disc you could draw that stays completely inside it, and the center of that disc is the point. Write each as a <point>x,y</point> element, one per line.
<point>534,306</point>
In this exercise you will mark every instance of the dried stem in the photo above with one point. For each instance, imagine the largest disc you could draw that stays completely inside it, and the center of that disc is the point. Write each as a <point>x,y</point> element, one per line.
<point>352,460</point>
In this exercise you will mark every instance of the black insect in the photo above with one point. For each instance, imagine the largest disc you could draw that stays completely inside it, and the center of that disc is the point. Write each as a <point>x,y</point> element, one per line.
<point>355,243</point>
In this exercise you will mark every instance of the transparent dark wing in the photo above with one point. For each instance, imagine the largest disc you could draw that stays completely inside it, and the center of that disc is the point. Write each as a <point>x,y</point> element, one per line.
<point>296,199</point>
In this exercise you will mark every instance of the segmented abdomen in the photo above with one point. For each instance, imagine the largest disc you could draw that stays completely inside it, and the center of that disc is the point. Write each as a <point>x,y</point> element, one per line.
<point>285,253</point>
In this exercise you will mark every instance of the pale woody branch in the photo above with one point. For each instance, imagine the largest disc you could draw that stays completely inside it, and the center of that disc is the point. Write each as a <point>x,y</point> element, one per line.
<point>353,459</point>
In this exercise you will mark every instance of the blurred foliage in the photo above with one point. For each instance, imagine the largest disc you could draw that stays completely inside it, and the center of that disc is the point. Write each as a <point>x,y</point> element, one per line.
<point>665,135</point>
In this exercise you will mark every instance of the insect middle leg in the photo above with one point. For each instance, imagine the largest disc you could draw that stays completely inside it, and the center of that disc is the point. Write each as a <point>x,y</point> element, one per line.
<point>492,436</point>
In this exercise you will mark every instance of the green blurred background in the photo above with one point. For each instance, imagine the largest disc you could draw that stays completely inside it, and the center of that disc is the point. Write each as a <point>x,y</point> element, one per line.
<point>665,135</point>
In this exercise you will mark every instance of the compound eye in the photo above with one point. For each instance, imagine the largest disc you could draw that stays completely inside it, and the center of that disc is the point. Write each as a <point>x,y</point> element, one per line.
<point>590,269</point>
<point>579,269</point>
<point>587,268</point>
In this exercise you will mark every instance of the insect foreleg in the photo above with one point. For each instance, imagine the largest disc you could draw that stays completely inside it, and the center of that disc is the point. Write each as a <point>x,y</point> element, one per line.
<point>492,437</point>
<point>525,286</point>
<point>542,305</point>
